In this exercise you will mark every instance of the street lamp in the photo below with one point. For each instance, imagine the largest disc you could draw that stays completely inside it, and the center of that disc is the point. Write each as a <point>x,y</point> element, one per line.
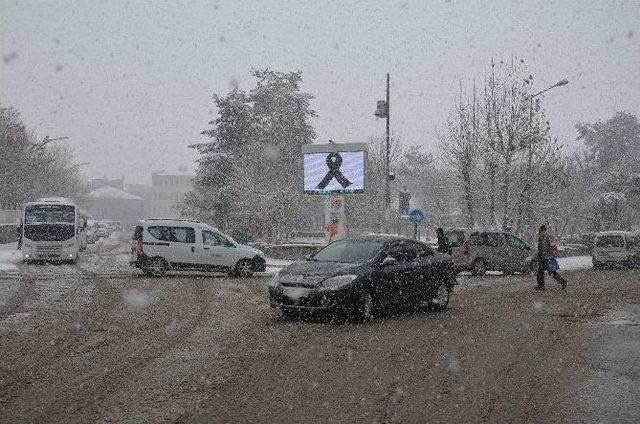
<point>558,84</point>
<point>527,185</point>
<point>384,111</point>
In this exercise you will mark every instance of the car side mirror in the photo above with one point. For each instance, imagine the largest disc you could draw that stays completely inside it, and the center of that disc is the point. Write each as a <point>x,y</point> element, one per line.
<point>388,261</point>
<point>229,244</point>
<point>308,257</point>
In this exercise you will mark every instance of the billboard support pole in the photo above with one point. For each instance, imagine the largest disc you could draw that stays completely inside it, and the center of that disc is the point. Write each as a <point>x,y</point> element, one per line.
<point>335,218</point>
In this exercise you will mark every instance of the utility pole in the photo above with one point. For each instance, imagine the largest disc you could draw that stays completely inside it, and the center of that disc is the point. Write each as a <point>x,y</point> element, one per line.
<point>384,111</point>
<point>387,187</point>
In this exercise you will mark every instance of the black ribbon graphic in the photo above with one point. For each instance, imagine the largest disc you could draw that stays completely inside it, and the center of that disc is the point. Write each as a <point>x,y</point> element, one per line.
<point>334,162</point>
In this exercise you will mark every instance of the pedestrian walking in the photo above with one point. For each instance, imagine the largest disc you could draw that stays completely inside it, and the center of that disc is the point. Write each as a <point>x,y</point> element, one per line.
<point>546,259</point>
<point>443,243</point>
<point>445,247</point>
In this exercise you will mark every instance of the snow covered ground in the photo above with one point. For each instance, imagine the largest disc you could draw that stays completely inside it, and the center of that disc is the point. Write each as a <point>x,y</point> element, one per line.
<point>9,257</point>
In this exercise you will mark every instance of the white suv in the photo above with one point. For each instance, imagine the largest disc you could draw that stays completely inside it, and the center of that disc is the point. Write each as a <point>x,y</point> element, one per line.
<point>160,245</point>
<point>616,248</point>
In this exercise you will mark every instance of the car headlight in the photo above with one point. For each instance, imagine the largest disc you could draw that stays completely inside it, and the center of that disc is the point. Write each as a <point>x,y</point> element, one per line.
<point>335,283</point>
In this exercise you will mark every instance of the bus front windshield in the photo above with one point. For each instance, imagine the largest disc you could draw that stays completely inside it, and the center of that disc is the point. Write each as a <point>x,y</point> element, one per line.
<point>49,214</point>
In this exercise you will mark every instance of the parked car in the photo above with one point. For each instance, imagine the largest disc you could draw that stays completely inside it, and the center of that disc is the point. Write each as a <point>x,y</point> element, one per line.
<point>480,251</point>
<point>92,235</point>
<point>112,225</point>
<point>616,248</point>
<point>362,276</point>
<point>103,230</point>
<point>161,245</point>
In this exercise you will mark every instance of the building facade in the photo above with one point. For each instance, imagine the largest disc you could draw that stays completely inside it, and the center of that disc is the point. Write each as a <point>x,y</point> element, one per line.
<point>168,191</point>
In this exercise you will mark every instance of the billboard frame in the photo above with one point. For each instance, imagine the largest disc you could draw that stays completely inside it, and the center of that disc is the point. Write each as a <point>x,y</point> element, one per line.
<point>335,148</point>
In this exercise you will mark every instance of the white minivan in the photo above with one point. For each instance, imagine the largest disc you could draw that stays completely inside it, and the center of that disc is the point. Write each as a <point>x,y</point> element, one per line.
<point>616,248</point>
<point>161,245</point>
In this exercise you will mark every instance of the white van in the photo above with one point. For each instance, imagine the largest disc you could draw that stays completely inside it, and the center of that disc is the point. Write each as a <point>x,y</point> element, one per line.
<point>160,245</point>
<point>616,248</point>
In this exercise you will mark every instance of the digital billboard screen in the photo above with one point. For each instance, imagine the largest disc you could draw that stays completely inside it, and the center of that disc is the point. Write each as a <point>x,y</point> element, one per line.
<point>334,172</point>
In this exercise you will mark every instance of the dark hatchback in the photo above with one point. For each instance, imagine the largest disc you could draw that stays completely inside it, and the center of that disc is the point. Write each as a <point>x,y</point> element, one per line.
<point>363,276</point>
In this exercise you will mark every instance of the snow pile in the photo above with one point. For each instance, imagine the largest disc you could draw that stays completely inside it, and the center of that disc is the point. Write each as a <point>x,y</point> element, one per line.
<point>575,262</point>
<point>9,257</point>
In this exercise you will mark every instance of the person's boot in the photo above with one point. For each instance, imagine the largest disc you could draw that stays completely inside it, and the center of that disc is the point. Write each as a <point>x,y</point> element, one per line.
<point>563,284</point>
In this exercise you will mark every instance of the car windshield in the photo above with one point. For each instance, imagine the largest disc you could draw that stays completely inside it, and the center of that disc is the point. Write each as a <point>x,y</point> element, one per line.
<point>610,241</point>
<point>349,251</point>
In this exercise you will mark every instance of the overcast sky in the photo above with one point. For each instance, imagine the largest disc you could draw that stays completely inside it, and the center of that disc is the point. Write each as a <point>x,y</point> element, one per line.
<point>130,82</point>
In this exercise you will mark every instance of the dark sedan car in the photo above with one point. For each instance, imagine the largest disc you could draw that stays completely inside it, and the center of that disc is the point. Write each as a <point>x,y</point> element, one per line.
<point>362,276</point>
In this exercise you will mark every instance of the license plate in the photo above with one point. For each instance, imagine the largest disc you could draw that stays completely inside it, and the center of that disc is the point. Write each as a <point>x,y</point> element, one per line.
<point>295,293</point>
<point>53,255</point>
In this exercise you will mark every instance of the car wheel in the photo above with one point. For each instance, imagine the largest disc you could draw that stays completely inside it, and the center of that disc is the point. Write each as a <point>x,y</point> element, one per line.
<point>440,298</point>
<point>157,267</point>
<point>479,267</point>
<point>597,266</point>
<point>243,269</point>
<point>365,309</point>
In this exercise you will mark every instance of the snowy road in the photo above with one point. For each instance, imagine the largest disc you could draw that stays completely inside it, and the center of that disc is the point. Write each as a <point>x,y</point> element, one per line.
<point>81,346</point>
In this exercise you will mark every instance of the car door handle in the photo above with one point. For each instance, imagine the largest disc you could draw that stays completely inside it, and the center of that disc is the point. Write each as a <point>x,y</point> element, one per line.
<point>193,249</point>
<point>206,248</point>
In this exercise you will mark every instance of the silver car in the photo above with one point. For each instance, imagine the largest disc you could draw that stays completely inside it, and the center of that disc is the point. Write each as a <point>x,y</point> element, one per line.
<point>480,251</point>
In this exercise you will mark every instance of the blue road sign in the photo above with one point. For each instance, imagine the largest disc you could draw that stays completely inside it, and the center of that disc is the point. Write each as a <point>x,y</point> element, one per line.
<point>416,216</point>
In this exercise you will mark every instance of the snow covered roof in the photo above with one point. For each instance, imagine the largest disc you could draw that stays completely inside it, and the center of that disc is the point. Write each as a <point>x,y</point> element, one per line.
<point>182,171</point>
<point>108,192</point>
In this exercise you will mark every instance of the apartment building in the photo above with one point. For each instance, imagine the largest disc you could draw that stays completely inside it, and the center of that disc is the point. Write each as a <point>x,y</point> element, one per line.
<point>167,191</point>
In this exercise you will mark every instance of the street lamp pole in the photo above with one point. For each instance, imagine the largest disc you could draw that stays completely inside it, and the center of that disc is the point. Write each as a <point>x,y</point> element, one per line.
<point>387,188</point>
<point>530,155</point>
<point>384,111</point>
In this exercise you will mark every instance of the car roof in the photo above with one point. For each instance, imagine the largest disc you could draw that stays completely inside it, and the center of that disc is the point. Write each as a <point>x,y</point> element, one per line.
<point>478,230</point>
<point>381,238</point>
<point>165,220</point>
<point>177,221</point>
<point>613,233</point>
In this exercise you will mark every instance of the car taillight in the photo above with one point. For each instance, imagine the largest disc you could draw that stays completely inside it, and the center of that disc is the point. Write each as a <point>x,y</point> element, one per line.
<point>139,246</point>
<point>466,247</point>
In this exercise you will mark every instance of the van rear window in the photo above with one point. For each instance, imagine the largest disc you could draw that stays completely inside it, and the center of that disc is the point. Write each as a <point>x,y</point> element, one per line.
<point>159,232</point>
<point>610,241</point>
<point>183,234</point>
<point>175,234</point>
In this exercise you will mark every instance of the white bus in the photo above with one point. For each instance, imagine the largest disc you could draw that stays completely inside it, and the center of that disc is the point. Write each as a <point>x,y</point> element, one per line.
<point>52,229</point>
